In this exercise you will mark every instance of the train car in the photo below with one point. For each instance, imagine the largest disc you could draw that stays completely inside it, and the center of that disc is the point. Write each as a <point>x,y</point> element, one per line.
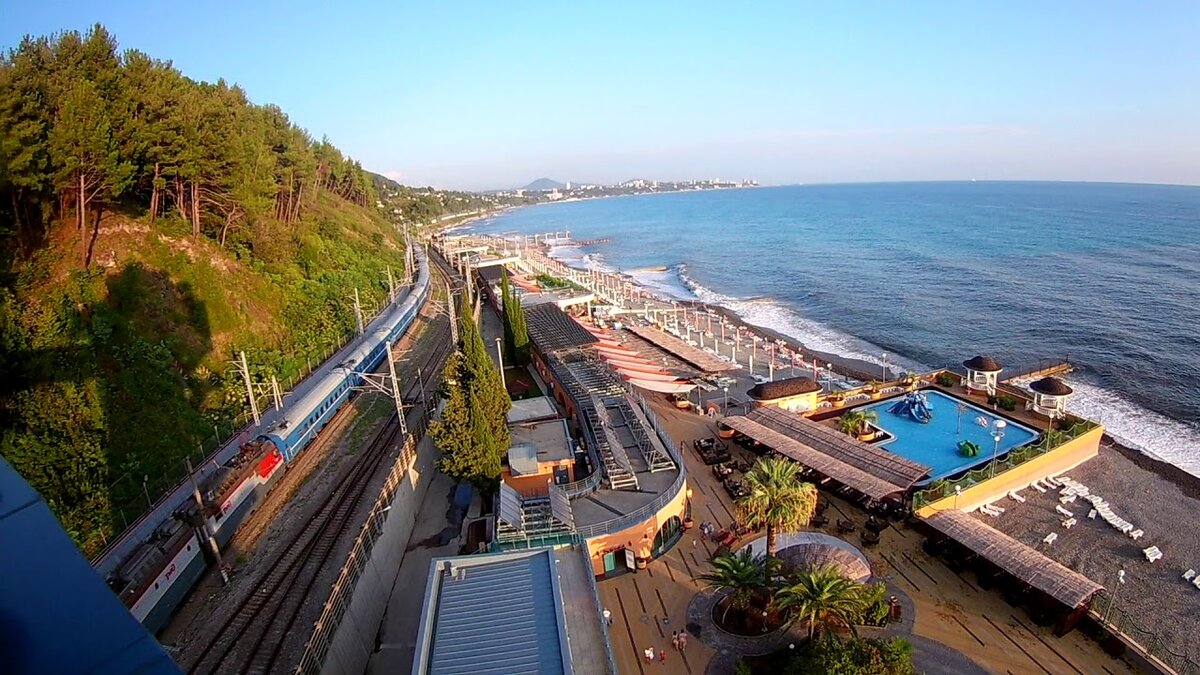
<point>159,574</point>
<point>155,577</point>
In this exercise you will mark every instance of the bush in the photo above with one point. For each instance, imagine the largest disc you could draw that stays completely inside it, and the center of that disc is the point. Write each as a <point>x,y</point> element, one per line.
<point>946,379</point>
<point>1007,403</point>
<point>854,657</point>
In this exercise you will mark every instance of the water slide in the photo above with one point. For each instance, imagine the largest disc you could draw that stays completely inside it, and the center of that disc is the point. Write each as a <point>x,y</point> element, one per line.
<point>914,406</point>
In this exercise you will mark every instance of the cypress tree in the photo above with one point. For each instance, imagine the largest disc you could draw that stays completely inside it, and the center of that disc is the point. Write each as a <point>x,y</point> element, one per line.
<point>463,458</point>
<point>506,299</point>
<point>520,334</point>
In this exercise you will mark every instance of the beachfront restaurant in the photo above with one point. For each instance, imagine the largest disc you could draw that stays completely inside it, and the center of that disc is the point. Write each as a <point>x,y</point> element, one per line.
<point>1054,594</point>
<point>795,394</point>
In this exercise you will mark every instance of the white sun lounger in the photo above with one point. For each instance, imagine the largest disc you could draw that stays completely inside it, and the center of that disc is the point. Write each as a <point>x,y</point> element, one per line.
<point>1016,496</point>
<point>1152,553</point>
<point>1037,486</point>
<point>1051,481</point>
<point>1092,514</point>
<point>1196,581</point>
<point>1063,511</point>
<point>1136,534</point>
<point>1189,575</point>
<point>1050,538</point>
<point>1069,523</point>
<point>1067,499</point>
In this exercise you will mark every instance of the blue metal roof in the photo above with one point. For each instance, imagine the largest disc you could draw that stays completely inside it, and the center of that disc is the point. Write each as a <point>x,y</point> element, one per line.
<point>56,614</point>
<point>493,614</point>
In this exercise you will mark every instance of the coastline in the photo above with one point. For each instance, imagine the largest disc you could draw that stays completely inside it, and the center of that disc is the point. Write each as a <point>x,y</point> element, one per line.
<point>863,370</point>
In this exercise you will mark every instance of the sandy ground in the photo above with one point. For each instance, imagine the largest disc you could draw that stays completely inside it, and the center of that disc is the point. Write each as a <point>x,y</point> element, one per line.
<point>1154,594</point>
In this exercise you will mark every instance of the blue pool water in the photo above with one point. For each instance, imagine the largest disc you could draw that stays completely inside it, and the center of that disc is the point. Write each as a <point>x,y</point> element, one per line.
<point>936,444</point>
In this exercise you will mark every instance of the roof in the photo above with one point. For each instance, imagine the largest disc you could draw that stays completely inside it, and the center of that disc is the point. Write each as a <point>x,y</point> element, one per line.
<point>792,386</point>
<point>983,364</point>
<point>531,409</point>
<point>1048,576</point>
<point>549,439</point>
<point>699,358</point>
<point>491,273</point>
<point>808,556</point>
<point>1051,386</point>
<point>86,629</point>
<point>872,471</point>
<point>498,613</point>
<point>552,329</point>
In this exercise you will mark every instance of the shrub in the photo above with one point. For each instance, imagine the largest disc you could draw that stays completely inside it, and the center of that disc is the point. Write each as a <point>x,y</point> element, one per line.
<point>1007,403</point>
<point>946,379</point>
<point>854,657</point>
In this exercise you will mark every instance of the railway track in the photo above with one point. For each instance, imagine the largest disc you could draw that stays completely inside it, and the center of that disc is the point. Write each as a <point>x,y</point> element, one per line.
<point>251,639</point>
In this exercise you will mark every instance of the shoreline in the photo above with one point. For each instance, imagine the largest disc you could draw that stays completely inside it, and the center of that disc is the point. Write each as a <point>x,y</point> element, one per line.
<point>866,371</point>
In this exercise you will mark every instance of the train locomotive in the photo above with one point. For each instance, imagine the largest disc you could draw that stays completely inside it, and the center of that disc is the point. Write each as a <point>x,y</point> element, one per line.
<point>155,577</point>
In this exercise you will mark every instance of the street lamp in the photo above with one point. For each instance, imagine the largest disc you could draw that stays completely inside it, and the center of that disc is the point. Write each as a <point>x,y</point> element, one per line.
<point>145,489</point>
<point>957,494</point>
<point>997,435</point>
<point>500,359</point>
<point>884,355</point>
<point>1113,600</point>
<point>725,410</point>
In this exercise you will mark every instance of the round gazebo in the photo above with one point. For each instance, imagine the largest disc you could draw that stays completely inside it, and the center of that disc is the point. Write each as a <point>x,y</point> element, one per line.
<point>1050,396</point>
<point>982,373</point>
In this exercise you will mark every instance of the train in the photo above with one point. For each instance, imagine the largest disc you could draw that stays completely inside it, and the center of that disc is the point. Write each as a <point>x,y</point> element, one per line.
<point>154,577</point>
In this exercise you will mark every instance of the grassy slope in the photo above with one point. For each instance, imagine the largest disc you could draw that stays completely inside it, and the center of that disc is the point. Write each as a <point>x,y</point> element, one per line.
<point>122,370</point>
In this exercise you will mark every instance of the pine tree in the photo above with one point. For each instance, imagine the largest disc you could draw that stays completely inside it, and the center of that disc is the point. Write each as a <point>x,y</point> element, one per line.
<point>455,433</point>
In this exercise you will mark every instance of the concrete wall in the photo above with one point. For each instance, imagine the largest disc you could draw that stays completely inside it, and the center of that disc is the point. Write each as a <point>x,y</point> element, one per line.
<point>1060,460</point>
<point>354,640</point>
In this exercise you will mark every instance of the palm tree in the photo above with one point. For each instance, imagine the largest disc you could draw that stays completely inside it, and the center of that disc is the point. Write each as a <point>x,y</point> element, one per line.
<point>855,422</point>
<point>823,597</point>
<point>776,499</point>
<point>743,574</point>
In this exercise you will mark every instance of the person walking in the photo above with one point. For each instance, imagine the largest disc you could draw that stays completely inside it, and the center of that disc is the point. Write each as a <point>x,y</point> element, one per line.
<point>683,638</point>
<point>662,657</point>
<point>649,654</point>
<point>607,616</point>
<point>675,639</point>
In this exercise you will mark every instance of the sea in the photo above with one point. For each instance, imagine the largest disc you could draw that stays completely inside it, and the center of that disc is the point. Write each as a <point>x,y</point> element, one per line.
<point>926,275</point>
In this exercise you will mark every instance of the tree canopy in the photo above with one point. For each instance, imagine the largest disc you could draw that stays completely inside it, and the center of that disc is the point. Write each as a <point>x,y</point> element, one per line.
<point>777,499</point>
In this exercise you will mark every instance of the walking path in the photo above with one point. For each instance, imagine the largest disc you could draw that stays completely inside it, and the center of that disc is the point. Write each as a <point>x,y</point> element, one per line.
<point>954,626</point>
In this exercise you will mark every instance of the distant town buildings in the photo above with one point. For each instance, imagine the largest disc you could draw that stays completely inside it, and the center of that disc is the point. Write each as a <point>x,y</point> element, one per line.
<point>573,190</point>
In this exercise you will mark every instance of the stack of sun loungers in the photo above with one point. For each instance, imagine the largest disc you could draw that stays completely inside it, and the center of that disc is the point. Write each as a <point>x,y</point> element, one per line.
<point>1192,578</point>
<point>1152,553</point>
<point>991,510</point>
<point>1072,489</point>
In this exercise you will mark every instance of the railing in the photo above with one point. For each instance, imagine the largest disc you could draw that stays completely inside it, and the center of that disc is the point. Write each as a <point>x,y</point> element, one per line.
<point>1121,621</point>
<point>608,649</point>
<point>586,485</point>
<point>317,647</point>
<point>1016,457</point>
<point>637,516</point>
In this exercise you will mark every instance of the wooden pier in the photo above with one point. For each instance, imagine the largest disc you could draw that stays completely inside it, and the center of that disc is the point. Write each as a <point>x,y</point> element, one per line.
<point>1043,369</point>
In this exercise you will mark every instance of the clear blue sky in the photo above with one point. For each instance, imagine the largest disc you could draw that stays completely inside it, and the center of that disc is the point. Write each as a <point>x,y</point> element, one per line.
<point>485,96</point>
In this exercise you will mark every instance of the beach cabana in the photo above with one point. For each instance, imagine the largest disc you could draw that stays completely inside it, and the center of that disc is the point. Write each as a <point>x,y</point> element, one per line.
<point>1054,592</point>
<point>1050,396</point>
<point>982,374</point>
<point>797,394</point>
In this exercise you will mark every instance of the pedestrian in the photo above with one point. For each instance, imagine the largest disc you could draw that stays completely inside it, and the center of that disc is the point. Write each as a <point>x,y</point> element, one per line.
<point>683,638</point>
<point>675,639</point>
<point>662,657</point>
<point>607,616</point>
<point>649,654</point>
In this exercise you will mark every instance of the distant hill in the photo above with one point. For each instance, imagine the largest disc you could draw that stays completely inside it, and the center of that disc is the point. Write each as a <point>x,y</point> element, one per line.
<point>545,184</point>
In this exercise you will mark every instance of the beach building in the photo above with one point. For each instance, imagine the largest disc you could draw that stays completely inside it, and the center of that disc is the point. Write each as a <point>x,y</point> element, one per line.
<point>1050,396</point>
<point>982,375</point>
<point>532,611</point>
<point>796,394</point>
<point>626,498</point>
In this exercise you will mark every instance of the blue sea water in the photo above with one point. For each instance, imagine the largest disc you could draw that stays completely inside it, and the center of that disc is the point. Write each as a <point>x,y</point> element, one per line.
<point>933,273</point>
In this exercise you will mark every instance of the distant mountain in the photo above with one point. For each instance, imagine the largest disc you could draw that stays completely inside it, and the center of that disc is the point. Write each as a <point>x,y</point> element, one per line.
<point>545,184</point>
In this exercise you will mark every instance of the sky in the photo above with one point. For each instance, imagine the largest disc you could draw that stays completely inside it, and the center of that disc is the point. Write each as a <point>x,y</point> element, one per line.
<point>493,95</point>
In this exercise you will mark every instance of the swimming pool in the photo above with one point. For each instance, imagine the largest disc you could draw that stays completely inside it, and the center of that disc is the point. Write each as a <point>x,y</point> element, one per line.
<point>935,444</point>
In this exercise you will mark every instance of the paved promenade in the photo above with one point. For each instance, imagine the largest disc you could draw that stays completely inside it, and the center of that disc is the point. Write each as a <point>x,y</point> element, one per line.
<point>957,626</point>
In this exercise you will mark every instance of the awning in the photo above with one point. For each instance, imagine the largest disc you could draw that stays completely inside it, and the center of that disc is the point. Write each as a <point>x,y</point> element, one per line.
<point>854,477</point>
<point>1048,576</point>
<point>697,357</point>
<point>663,387</point>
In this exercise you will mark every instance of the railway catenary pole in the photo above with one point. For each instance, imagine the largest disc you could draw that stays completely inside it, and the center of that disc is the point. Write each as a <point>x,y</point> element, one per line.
<point>399,398</point>
<point>212,541</point>
<point>245,368</point>
<point>275,391</point>
<point>358,312</point>
<point>391,285</point>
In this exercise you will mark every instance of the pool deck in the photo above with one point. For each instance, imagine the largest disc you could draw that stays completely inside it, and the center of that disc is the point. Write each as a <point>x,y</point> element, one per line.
<point>952,614</point>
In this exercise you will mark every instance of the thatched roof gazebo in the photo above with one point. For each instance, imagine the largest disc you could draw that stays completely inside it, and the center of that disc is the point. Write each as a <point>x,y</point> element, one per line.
<point>793,393</point>
<point>1050,396</point>
<point>982,374</point>
<point>806,550</point>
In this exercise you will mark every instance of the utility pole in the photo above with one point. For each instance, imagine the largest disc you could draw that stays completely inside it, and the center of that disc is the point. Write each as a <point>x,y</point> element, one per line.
<point>500,361</point>
<point>396,389</point>
<point>249,389</point>
<point>453,320</point>
<point>275,391</point>
<point>212,541</point>
<point>358,312</point>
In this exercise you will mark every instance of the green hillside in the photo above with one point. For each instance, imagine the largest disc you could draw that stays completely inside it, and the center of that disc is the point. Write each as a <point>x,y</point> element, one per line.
<point>151,227</point>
